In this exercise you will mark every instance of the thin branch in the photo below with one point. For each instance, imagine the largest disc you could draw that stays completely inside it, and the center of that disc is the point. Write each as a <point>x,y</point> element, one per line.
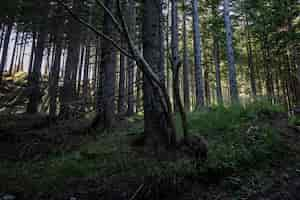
<point>99,33</point>
<point>101,4</point>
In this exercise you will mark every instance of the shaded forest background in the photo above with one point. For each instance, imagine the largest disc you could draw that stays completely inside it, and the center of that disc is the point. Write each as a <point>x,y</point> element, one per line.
<point>152,99</point>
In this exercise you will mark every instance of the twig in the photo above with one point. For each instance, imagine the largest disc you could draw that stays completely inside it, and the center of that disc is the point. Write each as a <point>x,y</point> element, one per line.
<point>137,192</point>
<point>101,4</point>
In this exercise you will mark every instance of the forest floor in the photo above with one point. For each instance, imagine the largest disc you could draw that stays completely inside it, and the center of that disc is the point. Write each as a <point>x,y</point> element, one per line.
<point>254,153</point>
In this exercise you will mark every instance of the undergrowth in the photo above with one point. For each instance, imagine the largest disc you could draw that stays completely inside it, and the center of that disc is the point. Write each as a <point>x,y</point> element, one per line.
<point>240,139</point>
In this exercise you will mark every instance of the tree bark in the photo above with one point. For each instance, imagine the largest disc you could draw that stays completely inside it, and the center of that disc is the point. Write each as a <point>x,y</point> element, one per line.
<point>230,54</point>
<point>1,35</point>
<point>13,54</point>
<point>108,63</point>
<point>250,61</point>
<point>186,66</point>
<point>122,87</point>
<point>131,63</point>
<point>55,68</point>
<point>5,50</point>
<point>35,76</point>
<point>216,55</point>
<point>174,46</point>
<point>69,87</point>
<point>33,47</point>
<point>156,125</point>
<point>197,56</point>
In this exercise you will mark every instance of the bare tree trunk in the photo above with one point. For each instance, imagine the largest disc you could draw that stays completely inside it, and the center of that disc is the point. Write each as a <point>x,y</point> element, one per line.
<point>55,68</point>
<point>131,63</point>
<point>122,87</point>
<point>108,63</point>
<point>5,50</point>
<point>230,54</point>
<point>162,43</point>
<point>156,125</point>
<point>69,87</point>
<point>13,54</point>
<point>186,66</point>
<point>23,52</point>
<point>197,51</point>
<point>35,76</point>
<point>1,35</point>
<point>139,83</point>
<point>32,52</point>
<point>81,66</point>
<point>174,46</point>
<point>20,53</point>
<point>87,56</point>
<point>250,61</point>
<point>206,84</point>
<point>86,72</point>
<point>216,54</point>
<point>297,62</point>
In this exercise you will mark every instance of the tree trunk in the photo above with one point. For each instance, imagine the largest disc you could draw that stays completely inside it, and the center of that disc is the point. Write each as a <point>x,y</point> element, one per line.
<point>86,72</point>
<point>206,84</point>
<point>13,54</point>
<point>250,61</point>
<point>122,87</point>
<point>108,63</point>
<point>174,47</point>
<point>131,63</point>
<point>35,76</point>
<point>5,50</point>
<point>197,55</point>
<point>186,66</point>
<point>23,52</point>
<point>139,83</point>
<point>297,61</point>
<point>69,87</point>
<point>162,43</point>
<point>230,55</point>
<point>32,52</point>
<point>55,68</point>
<point>216,55</point>
<point>81,66</point>
<point>20,52</point>
<point>156,125</point>
<point>1,35</point>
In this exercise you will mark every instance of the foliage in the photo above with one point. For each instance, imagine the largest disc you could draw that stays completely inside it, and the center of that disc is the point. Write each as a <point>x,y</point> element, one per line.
<point>237,137</point>
<point>240,138</point>
<point>294,121</point>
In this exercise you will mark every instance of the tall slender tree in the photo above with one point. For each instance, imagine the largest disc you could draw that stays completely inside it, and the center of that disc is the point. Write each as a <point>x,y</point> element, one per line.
<point>197,55</point>
<point>186,67</point>
<point>230,54</point>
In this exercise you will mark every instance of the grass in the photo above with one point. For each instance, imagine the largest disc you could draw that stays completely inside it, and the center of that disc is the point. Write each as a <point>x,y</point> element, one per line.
<point>240,140</point>
<point>239,136</point>
<point>294,121</point>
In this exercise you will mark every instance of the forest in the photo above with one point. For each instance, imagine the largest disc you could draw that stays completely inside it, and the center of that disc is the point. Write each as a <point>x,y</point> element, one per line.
<point>150,99</point>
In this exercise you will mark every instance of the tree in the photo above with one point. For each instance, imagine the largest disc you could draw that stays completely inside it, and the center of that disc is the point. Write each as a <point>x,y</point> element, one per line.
<point>55,68</point>
<point>108,63</point>
<point>186,67</point>
<point>197,55</point>
<point>69,87</point>
<point>174,46</point>
<point>131,63</point>
<point>5,49</point>
<point>35,76</point>
<point>156,125</point>
<point>230,54</point>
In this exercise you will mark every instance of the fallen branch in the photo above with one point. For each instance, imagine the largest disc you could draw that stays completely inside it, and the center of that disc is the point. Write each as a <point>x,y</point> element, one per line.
<point>137,192</point>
